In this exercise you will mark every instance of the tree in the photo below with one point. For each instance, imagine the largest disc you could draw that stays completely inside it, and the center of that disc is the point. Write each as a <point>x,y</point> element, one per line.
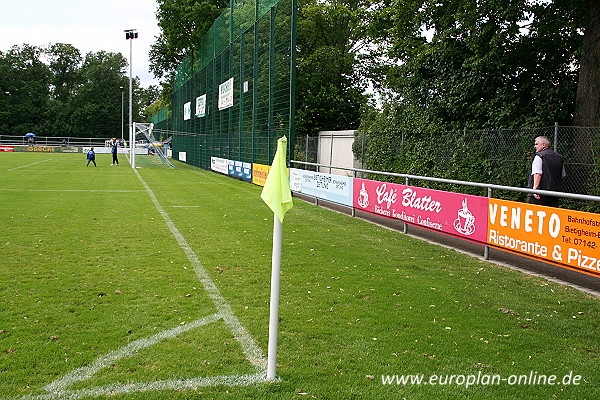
<point>329,87</point>
<point>64,62</point>
<point>53,91</point>
<point>97,103</point>
<point>494,63</point>
<point>146,98</point>
<point>24,85</point>
<point>588,89</point>
<point>182,24</point>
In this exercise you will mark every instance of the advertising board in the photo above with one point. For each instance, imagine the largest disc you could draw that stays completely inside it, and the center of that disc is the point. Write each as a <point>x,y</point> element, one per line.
<point>260,173</point>
<point>240,169</point>
<point>566,237</point>
<point>37,149</point>
<point>219,165</point>
<point>447,212</point>
<point>334,188</point>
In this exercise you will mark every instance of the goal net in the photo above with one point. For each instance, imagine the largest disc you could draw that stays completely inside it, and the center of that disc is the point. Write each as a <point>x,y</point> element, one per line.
<point>148,151</point>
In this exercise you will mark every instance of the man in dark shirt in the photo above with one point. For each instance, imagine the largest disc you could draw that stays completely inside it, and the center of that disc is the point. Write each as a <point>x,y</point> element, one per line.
<point>114,151</point>
<point>547,171</point>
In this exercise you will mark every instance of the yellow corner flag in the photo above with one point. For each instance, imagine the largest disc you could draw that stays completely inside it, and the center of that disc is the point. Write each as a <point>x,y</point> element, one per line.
<point>276,193</point>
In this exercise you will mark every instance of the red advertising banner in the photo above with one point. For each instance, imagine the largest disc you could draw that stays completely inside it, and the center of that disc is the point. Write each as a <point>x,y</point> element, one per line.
<point>455,214</point>
<point>568,238</point>
<point>7,148</point>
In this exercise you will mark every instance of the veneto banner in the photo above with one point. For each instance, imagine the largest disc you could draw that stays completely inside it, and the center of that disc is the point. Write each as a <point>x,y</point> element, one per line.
<point>565,237</point>
<point>455,214</point>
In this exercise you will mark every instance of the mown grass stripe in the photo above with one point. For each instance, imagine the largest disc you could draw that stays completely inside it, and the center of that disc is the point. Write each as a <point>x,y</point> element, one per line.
<point>249,347</point>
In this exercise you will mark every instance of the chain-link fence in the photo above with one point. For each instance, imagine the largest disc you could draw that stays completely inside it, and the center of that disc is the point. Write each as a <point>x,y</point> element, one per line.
<point>162,123</point>
<point>494,156</point>
<point>306,149</point>
<point>234,96</point>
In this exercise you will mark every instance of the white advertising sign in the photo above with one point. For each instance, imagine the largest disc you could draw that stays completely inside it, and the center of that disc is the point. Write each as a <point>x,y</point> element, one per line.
<point>334,188</point>
<point>219,165</point>
<point>226,94</point>
<point>201,106</point>
<point>187,111</point>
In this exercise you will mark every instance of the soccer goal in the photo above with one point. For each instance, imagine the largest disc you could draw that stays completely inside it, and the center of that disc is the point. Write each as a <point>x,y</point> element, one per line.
<point>148,151</point>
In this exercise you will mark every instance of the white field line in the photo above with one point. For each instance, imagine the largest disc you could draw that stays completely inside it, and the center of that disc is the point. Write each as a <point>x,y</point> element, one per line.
<point>170,384</point>
<point>71,190</point>
<point>128,350</point>
<point>58,390</point>
<point>253,353</point>
<point>28,165</point>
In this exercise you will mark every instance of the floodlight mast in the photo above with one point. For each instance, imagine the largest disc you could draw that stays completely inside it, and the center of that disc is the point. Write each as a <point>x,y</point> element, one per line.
<point>131,34</point>
<point>122,106</point>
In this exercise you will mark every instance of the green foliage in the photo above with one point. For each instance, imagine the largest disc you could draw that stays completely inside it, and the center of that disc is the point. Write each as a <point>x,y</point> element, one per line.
<point>329,90</point>
<point>102,75</point>
<point>24,89</point>
<point>182,24</point>
<point>53,91</point>
<point>497,63</point>
<point>496,157</point>
<point>448,66</point>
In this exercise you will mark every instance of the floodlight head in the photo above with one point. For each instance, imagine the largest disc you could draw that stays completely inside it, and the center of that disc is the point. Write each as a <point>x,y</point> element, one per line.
<point>130,34</point>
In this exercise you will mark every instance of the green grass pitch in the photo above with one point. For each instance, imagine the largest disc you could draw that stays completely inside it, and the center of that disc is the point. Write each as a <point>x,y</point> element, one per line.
<point>100,299</point>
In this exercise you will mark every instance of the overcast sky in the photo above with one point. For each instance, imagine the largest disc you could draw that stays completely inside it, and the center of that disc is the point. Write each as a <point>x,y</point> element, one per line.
<point>86,24</point>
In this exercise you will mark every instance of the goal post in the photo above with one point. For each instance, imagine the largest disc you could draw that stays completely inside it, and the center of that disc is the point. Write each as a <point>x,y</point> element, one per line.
<point>145,150</point>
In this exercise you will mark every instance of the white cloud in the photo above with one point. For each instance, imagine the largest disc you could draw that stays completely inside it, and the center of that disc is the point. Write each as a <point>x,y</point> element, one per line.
<point>89,26</point>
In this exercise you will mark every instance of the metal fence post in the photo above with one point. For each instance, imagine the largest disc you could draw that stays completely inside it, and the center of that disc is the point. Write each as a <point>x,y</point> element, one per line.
<point>364,155</point>
<point>555,135</point>
<point>306,150</point>
<point>486,249</point>
<point>353,209</point>
<point>331,152</point>
<point>405,227</point>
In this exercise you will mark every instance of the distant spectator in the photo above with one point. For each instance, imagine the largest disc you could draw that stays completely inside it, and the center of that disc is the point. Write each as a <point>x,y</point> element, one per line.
<point>547,172</point>
<point>114,151</point>
<point>63,143</point>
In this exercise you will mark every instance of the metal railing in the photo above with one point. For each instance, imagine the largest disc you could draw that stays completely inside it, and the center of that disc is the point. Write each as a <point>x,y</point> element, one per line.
<point>57,141</point>
<point>490,187</point>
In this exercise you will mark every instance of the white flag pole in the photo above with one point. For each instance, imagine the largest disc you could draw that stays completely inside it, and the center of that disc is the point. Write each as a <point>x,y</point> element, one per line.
<point>274,314</point>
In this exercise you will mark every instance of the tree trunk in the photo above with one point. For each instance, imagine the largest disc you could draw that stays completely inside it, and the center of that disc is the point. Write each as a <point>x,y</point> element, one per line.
<point>587,103</point>
<point>587,107</point>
